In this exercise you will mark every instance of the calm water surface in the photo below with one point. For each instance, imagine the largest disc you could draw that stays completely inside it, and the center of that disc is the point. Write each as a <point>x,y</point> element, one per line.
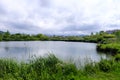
<point>74,51</point>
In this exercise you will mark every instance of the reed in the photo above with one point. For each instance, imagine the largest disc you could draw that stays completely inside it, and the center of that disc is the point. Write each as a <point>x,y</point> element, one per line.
<point>52,68</point>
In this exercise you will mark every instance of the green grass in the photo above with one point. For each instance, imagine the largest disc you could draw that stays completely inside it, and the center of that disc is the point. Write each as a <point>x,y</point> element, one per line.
<point>51,68</point>
<point>112,48</point>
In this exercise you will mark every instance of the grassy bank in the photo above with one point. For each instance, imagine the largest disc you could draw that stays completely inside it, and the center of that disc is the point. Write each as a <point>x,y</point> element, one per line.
<point>112,48</point>
<point>110,45</point>
<point>51,68</point>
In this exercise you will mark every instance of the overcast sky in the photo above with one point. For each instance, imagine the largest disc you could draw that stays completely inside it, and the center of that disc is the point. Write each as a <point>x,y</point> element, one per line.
<point>59,16</point>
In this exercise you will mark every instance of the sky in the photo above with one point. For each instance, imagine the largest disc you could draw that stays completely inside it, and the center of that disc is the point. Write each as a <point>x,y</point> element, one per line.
<point>60,17</point>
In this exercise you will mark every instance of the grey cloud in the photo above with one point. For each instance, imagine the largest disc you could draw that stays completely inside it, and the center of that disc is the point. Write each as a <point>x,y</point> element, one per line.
<point>83,27</point>
<point>2,10</point>
<point>21,27</point>
<point>112,26</point>
<point>61,16</point>
<point>44,3</point>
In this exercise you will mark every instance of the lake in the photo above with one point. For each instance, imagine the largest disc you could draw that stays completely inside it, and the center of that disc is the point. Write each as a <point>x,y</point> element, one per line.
<point>74,51</point>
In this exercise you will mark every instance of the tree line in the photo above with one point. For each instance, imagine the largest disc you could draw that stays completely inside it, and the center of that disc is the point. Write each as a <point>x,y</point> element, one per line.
<point>101,37</point>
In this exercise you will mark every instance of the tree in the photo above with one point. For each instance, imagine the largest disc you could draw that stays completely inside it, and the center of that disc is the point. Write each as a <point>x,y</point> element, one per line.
<point>102,33</point>
<point>6,36</point>
<point>117,33</point>
<point>41,37</point>
<point>0,37</point>
<point>92,34</point>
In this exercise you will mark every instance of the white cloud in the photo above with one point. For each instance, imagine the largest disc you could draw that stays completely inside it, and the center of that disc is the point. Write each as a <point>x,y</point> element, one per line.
<point>59,16</point>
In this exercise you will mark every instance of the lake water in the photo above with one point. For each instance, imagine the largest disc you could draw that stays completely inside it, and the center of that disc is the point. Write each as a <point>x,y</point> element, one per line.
<point>74,51</point>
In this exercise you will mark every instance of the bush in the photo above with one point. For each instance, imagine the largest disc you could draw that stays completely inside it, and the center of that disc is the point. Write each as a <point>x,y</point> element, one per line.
<point>105,66</point>
<point>117,57</point>
<point>112,48</point>
<point>91,68</point>
<point>8,66</point>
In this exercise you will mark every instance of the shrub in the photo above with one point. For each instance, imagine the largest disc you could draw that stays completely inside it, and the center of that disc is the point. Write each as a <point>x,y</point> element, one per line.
<point>8,66</point>
<point>117,57</point>
<point>105,66</point>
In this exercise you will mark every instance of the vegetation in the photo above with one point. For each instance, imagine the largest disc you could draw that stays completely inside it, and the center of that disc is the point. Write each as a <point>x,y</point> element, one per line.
<point>111,45</point>
<point>107,42</point>
<point>51,68</point>
<point>7,36</point>
<point>98,37</point>
<point>112,48</point>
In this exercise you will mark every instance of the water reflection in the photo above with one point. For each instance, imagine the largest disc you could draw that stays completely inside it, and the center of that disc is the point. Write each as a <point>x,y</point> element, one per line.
<point>76,51</point>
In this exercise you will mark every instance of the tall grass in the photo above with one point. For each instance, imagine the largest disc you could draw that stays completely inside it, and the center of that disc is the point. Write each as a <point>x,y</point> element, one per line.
<point>51,68</point>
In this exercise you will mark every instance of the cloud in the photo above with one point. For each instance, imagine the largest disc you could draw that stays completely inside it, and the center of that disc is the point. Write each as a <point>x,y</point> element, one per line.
<point>1,10</point>
<point>45,3</point>
<point>59,16</point>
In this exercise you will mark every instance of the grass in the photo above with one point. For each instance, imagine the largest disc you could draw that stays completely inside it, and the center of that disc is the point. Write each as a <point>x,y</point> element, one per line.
<point>51,68</point>
<point>112,48</point>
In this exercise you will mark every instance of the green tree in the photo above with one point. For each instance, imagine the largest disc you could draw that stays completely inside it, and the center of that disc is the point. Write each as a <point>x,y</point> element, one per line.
<point>6,36</point>
<point>92,34</point>
<point>117,33</point>
<point>0,37</point>
<point>41,37</point>
<point>102,33</point>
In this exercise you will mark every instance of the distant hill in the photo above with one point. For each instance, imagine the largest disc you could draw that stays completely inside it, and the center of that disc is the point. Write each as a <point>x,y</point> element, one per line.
<point>1,32</point>
<point>112,31</point>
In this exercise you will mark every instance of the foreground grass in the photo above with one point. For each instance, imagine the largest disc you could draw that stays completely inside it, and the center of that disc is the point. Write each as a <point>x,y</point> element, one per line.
<point>51,68</point>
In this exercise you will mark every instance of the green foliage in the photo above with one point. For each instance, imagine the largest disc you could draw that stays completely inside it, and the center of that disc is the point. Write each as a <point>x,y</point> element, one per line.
<point>66,38</point>
<point>110,43</point>
<point>0,37</point>
<point>105,66</point>
<point>51,68</point>
<point>117,33</point>
<point>91,68</point>
<point>6,36</point>
<point>117,57</point>
<point>112,48</point>
<point>8,67</point>
<point>101,37</point>
<point>41,37</point>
